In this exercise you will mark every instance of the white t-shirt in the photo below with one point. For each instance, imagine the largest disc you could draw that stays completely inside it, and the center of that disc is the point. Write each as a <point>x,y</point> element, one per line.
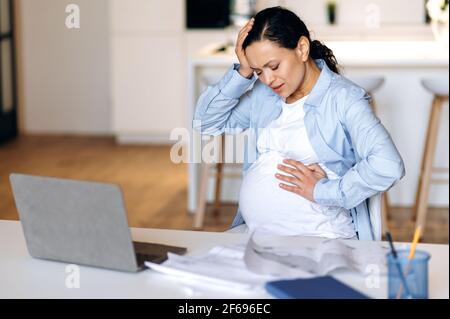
<point>264,204</point>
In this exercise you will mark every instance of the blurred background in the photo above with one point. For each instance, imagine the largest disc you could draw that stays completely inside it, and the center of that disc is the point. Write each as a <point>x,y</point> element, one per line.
<point>92,90</point>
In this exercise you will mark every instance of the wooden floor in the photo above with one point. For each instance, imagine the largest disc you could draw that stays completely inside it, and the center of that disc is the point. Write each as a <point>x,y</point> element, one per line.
<point>155,189</point>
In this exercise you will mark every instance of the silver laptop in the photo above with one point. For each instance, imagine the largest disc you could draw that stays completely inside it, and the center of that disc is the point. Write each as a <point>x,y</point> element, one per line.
<point>81,223</point>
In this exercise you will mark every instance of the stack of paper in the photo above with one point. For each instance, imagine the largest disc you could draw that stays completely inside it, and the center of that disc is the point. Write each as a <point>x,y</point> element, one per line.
<point>222,266</point>
<point>268,257</point>
<point>305,257</point>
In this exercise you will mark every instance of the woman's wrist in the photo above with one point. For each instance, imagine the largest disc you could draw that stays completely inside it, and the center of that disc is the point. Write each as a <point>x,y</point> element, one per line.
<point>246,73</point>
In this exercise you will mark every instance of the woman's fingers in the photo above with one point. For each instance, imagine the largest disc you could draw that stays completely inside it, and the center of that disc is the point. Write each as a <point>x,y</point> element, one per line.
<point>298,165</point>
<point>290,170</point>
<point>293,189</point>
<point>288,179</point>
<point>303,177</point>
<point>249,23</point>
<point>240,41</point>
<point>245,69</point>
<point>245,30</point>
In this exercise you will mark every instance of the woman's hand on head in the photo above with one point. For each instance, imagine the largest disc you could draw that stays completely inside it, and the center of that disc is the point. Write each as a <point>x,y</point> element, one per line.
<point>244,68</point>
<point>301,179</point>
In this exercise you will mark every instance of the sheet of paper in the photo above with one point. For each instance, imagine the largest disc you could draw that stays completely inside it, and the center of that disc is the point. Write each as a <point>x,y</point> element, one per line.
<point>299,256</point>
<point>222,266</point>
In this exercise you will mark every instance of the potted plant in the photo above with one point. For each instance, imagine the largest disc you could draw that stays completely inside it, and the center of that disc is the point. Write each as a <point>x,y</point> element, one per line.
<point>331,11</point>
<point>439,15</point>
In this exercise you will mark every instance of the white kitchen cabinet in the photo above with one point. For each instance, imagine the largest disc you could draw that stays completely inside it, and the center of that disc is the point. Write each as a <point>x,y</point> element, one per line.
<point>147,69</point>
<point>146,84</point>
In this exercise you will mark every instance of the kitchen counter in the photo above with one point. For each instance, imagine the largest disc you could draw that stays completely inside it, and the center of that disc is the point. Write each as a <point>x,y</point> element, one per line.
<point>352,53</point>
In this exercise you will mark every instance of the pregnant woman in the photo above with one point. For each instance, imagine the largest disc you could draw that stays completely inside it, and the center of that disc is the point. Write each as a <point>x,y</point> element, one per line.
<point>320,151</point>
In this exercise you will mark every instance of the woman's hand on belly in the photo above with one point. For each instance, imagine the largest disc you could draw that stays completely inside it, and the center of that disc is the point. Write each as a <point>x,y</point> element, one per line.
<point>302,178</point>
<point>317,170</point>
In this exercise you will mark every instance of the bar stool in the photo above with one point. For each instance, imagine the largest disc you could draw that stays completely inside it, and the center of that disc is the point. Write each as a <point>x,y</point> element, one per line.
<point>370,84</point>
<point>207,170</point>
<point>439,88</point>
<point>215,169</point>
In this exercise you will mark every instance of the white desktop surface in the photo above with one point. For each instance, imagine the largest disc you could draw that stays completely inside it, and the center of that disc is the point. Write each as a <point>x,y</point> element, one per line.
<point>22,276</point>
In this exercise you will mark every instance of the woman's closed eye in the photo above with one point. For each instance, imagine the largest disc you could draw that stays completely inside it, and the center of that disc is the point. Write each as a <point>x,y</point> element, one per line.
<point>258,73</point>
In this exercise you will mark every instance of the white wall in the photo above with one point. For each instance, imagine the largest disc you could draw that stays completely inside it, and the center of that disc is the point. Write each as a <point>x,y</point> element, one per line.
<point>65,71</point>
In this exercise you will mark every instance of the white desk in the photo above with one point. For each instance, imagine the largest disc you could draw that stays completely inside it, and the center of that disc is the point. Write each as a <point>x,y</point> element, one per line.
<point>24,277</point>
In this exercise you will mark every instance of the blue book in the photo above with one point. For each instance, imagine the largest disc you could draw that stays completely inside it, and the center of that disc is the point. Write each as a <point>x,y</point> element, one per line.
<point>313,288</point>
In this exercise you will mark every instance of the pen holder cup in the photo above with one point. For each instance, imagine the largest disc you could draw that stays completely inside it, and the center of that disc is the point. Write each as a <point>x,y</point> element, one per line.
<point>415,272</point>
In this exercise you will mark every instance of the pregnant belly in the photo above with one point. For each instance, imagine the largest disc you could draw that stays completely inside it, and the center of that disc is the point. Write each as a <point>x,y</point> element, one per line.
<point>264,204</point>
<point>262,201</point>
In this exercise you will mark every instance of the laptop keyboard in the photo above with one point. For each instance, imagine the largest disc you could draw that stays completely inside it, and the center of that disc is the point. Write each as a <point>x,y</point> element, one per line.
<point>156,253</point>
<point>141,258</point>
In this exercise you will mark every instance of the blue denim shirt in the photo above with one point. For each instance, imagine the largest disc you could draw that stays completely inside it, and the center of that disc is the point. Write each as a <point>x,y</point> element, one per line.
<point>344,132</point>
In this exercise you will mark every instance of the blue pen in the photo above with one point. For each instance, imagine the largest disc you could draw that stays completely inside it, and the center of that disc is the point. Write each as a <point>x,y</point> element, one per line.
<point>399,267</point>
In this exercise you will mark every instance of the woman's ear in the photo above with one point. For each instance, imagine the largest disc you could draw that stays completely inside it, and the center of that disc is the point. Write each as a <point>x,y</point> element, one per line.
<point>303,48</point>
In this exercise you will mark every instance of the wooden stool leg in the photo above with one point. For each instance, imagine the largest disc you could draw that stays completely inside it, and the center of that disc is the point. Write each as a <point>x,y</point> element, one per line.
<point>201,203</point>
<point>217,200</point>
<point>425,152</point>
<point>219,176</point>
<point>427,163</point>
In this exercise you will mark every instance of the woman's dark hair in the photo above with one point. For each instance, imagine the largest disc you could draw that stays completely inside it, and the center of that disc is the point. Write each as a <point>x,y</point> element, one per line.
<point>285,28</point>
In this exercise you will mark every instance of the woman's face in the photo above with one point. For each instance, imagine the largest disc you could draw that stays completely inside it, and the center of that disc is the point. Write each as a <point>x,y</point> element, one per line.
<point>283,70</point>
